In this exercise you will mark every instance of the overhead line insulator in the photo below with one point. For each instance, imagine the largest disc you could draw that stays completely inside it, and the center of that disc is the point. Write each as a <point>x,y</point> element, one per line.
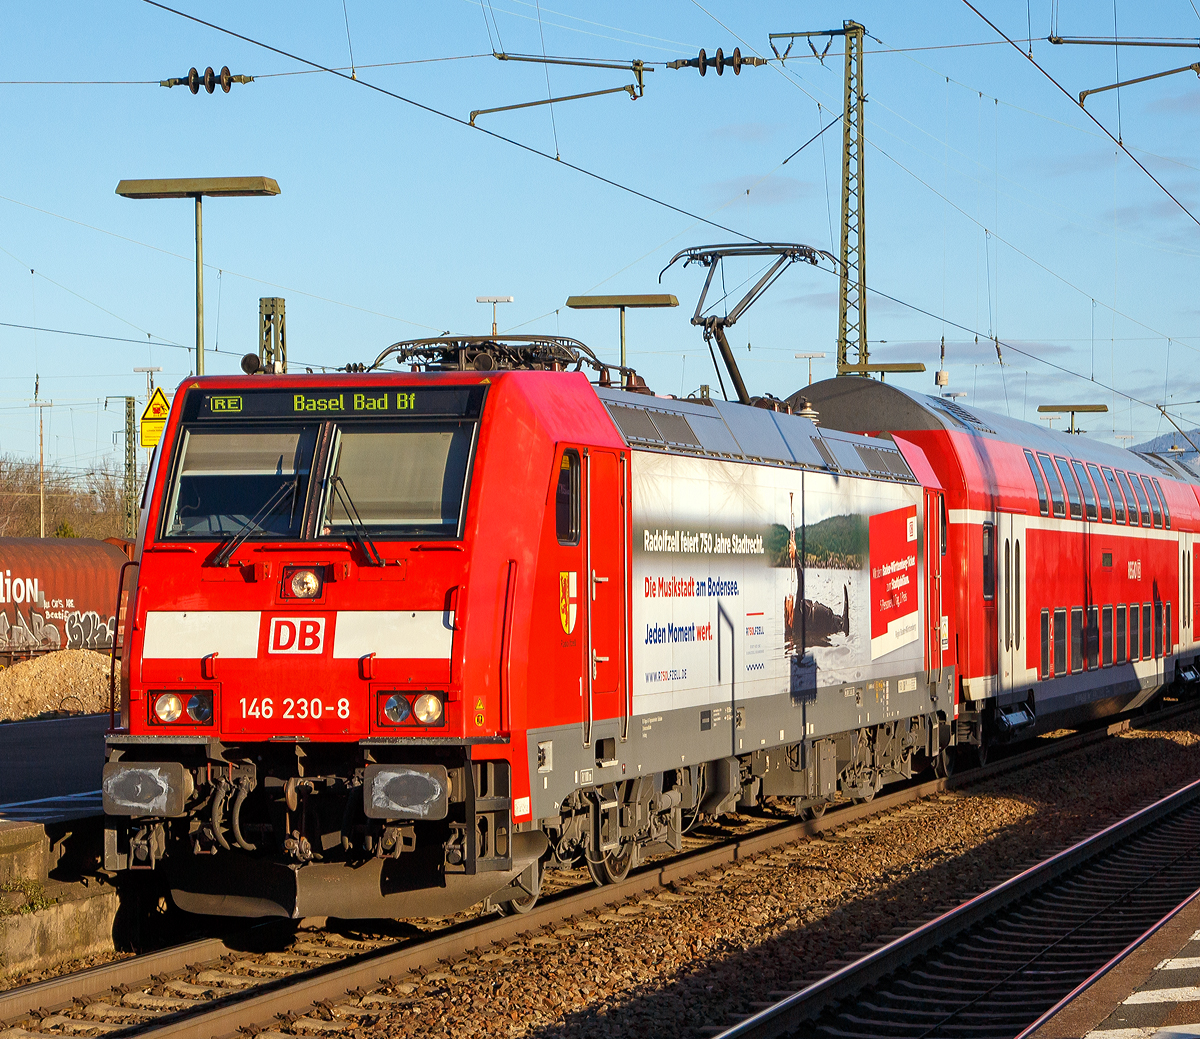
<point>718,61</point>
<point>209,80</point>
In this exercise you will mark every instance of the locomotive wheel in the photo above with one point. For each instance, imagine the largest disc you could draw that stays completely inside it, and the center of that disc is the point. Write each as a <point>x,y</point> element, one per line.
<point>531,878</point>
<point>613,866</point>
<point>943,764</point>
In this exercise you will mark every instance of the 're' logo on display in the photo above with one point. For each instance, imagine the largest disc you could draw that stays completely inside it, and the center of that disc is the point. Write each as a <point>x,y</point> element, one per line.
<point>568,594</point>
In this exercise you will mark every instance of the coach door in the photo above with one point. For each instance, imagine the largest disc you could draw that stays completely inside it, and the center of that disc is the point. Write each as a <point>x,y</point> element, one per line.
<point>1186,596</point>
<point>1010,596</point>
<point>606,549</point>
<point>935,541</point>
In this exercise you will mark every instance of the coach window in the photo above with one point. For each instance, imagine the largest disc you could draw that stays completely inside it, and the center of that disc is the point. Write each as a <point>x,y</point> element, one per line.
<point>1085,485</point>
<point>1130,501</point>
<point>1093,637</point>
<point>1162,500</point>
<point>1155,508</point>
<point>566,500</point>
<point>1158,629</point>
<point>1106,636</point>
<point>1168,641</point>
<point>1122,621</point>
<point>1135,630</point>
<point>1101,493</point>
<point>1118,501</point>
<point>989,561</point>
<point>1141,497</point>
<point>1147,620</point>
<point>1043,502</point>
<point>1060,642</point>
<point>1045,671</point>
<point>1056,491</point>
<point>1064,468</point>
<point>1077,639</point>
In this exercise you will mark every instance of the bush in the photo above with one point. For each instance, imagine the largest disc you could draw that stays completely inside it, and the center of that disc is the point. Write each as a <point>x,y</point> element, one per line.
<point>85,505</point>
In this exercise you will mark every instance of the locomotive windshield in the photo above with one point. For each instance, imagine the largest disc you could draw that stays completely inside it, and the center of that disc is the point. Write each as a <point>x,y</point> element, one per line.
<point>236,479</point>
<point>402,481</point>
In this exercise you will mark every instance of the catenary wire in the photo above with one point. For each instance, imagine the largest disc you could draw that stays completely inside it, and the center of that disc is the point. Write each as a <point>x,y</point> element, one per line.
<point>1073,101</point>
<point>452,118</point>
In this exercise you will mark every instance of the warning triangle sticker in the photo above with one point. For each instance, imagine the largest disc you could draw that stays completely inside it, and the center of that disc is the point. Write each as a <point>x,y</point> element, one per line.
<point>158,408</point>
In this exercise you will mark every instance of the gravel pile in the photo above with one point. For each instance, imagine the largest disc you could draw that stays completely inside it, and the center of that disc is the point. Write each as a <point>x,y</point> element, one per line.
<point>712,947</point>
<point>70,681</point>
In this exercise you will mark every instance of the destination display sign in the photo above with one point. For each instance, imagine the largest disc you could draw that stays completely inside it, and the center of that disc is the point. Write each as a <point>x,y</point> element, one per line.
<point>361,402</point>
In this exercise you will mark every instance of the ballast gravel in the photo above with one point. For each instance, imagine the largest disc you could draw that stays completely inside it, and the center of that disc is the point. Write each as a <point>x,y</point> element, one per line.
<point>677,962</point>
<point>67,681</point>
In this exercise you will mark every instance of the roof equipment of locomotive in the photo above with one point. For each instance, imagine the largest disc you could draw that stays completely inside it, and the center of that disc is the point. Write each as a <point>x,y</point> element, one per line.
<point>714,325</point>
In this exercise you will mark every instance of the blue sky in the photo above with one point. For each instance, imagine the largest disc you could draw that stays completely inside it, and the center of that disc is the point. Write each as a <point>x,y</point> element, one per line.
<point>992,201</point>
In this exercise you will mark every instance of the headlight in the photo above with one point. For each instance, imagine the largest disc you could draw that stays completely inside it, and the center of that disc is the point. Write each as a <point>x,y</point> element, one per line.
<point>396,709</point>
<point>304,584</point>
<point>168,707</point>
<point>200,708</point>
<point>428,709</point>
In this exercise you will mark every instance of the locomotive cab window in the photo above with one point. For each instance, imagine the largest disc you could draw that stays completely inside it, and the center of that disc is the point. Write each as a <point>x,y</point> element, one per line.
<point>400,481</point>
<point>989,561</point>
<point>1056,491</point>
<point>566,500</point>
<point>240,480</point>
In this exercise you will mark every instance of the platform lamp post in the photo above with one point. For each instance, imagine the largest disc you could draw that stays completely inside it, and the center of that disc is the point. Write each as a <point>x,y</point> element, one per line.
<point>1071,409</point>
<point>659,299</point>
<point>197,188</point>
<point>809,358</point>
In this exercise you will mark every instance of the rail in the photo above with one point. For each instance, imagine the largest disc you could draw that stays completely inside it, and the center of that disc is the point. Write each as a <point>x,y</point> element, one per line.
<point>262,999</point>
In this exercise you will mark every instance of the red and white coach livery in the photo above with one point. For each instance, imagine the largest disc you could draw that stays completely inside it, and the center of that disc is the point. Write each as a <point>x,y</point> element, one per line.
<point>1073,590</point>
<point>397,642</point>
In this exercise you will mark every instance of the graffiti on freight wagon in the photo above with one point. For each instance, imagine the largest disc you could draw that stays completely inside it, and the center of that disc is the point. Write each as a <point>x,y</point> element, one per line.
<point>32,632</point>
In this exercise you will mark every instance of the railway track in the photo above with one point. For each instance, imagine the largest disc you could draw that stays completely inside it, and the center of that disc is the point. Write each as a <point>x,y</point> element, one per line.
<point>214,987</point>
<point>997,965</point>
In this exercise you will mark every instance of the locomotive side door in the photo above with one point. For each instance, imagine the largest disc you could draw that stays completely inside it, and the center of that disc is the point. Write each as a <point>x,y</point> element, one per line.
<point>1010,600</point>
<point>604,589</point>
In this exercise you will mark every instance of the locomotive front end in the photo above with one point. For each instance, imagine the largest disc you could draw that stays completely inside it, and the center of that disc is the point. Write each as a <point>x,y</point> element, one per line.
<point>295,738</point>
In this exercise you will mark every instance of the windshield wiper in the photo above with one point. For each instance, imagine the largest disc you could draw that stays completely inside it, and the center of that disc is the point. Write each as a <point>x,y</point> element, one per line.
<point>225,553</point>
<point>361,537</point>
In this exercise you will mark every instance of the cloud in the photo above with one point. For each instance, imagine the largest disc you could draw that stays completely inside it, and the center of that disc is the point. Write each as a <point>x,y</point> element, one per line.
<point>1188,103</point>
<point>774,191</point>
<point>746,133</point>
<point>829,301</point>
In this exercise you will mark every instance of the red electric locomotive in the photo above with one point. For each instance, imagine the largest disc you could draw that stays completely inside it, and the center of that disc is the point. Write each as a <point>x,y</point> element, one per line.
<point>399,641</point>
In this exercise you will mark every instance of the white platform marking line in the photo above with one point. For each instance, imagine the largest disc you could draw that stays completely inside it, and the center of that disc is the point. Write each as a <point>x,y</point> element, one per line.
<point>1185,994</point>
<point>1179,963</point>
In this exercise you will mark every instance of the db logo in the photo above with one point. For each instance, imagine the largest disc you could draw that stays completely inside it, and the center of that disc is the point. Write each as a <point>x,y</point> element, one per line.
<point>296,635</point>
